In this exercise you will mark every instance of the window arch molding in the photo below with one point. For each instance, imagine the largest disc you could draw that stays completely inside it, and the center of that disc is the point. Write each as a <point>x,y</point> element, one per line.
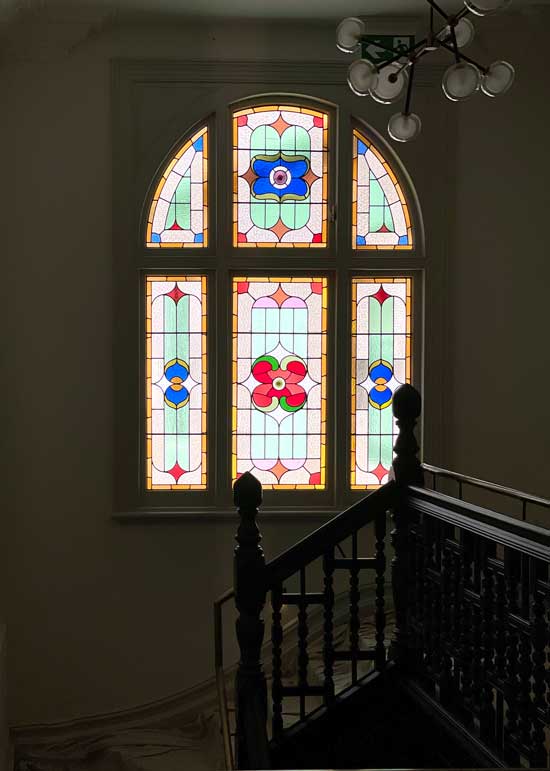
<point>337,262</point>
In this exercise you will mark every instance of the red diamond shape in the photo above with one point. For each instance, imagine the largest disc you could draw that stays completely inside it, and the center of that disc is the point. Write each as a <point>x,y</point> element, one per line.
<point>176,471</point>
<point>379,472</point>
<point>381,295</point>
<point>176,293</point>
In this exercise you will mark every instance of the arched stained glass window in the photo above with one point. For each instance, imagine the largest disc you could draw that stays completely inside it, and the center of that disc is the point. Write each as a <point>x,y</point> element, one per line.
<point>300,383</point>
<point>280,176</point>
<point>178,212</point>
<point>381,218</point>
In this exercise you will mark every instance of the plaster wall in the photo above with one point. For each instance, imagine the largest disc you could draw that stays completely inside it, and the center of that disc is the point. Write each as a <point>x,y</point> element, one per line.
<point>103,617</point>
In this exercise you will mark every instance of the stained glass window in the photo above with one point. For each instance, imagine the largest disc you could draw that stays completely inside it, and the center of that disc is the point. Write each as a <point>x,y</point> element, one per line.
<point>380,215</point>
<point>381,362</point>
<point>178,213</point>
<point>279,380</point>
<point>175,385</point>
<point>280,177</point>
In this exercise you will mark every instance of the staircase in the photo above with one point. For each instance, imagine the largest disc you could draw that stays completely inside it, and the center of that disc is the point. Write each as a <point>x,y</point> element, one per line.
<point>449,671</point>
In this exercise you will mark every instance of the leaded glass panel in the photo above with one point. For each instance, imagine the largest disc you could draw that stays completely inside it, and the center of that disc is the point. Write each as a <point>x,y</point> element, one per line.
<point>178,216</point>
<point>280,177</point>
<point>381,362</point>
<point>175,388</point>
<point>380,215</point>
<point>279,380</point>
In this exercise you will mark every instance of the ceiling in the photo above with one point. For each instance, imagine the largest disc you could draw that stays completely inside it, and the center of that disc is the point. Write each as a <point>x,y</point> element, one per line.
<point>252,9</point>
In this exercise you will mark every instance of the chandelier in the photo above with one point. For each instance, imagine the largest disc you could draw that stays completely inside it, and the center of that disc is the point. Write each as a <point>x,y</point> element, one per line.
<point>386,81</point>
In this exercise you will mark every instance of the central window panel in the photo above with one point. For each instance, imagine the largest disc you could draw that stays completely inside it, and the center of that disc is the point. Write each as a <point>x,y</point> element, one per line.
<point>279,381</point>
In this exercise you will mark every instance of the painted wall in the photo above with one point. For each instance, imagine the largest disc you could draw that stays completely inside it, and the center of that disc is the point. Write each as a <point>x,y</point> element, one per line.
<point>101,616</point>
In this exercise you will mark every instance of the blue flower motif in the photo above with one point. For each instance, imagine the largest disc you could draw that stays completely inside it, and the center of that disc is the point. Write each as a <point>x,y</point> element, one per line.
<point>176,395</point>
<point>381,395</point>
<point>280,177</point>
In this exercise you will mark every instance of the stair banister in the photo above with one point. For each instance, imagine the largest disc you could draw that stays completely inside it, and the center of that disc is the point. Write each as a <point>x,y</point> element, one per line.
<point>406,470</point>
<point>253,578</point>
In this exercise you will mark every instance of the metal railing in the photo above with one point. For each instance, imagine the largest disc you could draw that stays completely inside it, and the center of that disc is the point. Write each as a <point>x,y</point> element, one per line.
<point>509,492</point>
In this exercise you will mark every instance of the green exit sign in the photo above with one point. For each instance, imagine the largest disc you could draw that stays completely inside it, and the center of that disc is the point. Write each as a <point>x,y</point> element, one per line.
<point>375,47</point>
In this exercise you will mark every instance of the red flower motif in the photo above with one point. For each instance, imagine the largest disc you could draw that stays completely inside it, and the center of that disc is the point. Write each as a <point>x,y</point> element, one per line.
<point>279,383</point>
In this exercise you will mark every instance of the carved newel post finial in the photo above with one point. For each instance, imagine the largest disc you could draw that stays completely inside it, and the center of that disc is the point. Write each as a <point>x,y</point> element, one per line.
<point>250,592</point>
<point>407,470</point>
<point>407,405</point>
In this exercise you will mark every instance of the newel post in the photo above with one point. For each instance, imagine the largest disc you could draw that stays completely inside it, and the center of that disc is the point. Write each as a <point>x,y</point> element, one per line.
<point>407,470</point>
<point>250,591</point>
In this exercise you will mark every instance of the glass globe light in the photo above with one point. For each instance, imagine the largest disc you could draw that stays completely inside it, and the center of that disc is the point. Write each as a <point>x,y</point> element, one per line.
<point>464,33</point>
<point>460,81</point>
<point>403,127</point>
<point>485,7</point>
<point>348,34</point>
<point>391,82</point>
<point>498,78</point>
<point>362,76</point>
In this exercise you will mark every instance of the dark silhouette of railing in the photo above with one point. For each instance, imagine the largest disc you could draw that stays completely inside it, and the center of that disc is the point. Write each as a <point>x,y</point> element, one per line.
<point>471,596</point>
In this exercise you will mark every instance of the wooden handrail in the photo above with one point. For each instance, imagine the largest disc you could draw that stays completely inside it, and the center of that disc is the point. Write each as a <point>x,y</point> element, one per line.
<point>524,537</point>
<point>335,530</point>
<point>509,492</point>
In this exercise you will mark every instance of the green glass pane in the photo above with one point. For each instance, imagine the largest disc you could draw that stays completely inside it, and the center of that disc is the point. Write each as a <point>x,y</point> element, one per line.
<point>386,420</point>
<point>295,141</point>
<point>264,214</point>
<point>169,315</point>
<point>300,320</point>
<point>373,452</point>
<point>295,215</point>
<point>388,218</point>
<point>376,194</point>
<point>258,320</point>
<point>183,450</point>
<point>376,218</point>
<point>386,443</point>
<point>170,446</point>
<point>183,328</point>
<point>183,190</point>
<point>264,139</point>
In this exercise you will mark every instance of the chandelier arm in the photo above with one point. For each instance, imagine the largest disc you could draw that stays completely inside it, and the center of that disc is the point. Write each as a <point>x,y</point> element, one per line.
<point>439,10</point>
<point>407,109</point>
<point>454,48</point>
<point>463,57</point>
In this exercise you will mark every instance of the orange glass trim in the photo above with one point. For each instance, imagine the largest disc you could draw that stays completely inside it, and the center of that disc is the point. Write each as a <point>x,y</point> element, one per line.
<point>286,244</point>
<point>358,136</point>
<point>149,279</point>
<point>202,132</point>
<point>356,280</point>
<point>324,335</point>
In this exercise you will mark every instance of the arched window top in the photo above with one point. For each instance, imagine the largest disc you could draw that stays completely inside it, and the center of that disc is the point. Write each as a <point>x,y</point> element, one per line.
<point>178,211</point>
<point>381,215</point>
<point>280,176</point>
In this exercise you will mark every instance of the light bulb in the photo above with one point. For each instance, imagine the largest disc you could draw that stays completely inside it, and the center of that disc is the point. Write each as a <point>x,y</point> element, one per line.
<point>460,81</point>
<point>349,33</point>
<point>485,7</point>
<point>362,76</point>
<point>498,78</point>
<point>403,127</point>
<point>464,33</point>
<point>391,82</point>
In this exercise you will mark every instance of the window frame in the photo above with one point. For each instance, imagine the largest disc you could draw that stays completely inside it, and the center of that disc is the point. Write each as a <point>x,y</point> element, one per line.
<point>219,261</point>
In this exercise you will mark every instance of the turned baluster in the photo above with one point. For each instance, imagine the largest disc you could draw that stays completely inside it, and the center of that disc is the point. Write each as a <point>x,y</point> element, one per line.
<point>512,686</point>
<point>328,625</point>
<point>380,613</point>
<point>303,630</point>
<point>465,642</point>
<point>354,596</point>
<point>250,592</point>
<point>277,667</point>
<point>445,680</point>
<point>487,711</point>
<point>540,641</point>
<point>406,470</point>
